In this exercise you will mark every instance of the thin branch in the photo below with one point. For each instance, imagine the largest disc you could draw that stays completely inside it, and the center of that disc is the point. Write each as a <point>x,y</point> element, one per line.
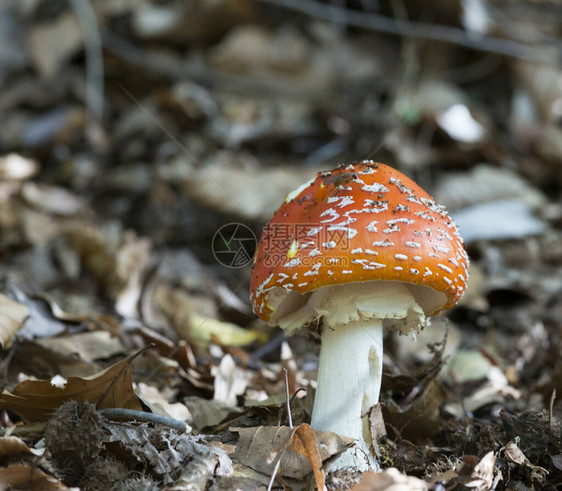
<point>422,30</point>
<point>121,414</point>
<point>183,69</point>
<point>282,453</point>
<point>94,58</point>
<point>288,399</point>
<point>274,473</point>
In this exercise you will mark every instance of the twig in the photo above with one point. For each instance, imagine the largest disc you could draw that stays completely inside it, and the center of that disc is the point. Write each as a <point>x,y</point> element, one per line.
<point>290,418</point>
<point>552,399</point>
<point>300,389</point>
<point>288,399</point>
<point>178,69</point>
<point>94,58</point>
<point>270,346</point>
<point>121,414</point>
<point>421,30</point>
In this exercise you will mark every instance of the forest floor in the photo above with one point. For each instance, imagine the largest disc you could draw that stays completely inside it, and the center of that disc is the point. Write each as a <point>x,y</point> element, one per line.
<point>137,134</point>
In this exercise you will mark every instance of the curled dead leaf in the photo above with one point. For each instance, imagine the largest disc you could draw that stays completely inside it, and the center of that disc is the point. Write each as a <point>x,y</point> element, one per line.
<point>36,400</point>
<point>515,454</point>
<point>256,443</point>
<point>389,479</point>
<point>12,445</point>
<point>303,441</point>
<point>478,473</point>
<point>377,427</point>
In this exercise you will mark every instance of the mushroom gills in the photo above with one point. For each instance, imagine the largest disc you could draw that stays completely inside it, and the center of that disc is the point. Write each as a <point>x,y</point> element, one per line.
<point>400,306</point>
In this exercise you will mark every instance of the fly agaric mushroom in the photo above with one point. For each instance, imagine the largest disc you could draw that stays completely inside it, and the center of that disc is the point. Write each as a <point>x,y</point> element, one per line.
<point>355,250</point>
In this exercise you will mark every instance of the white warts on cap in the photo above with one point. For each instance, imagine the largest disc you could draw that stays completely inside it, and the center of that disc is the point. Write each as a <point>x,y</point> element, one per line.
<point>334,215</point>
<point>371,227</point>
<point>368,264</point>
<point>415,245</point>
<point>375,188</point>
<point>351,232</point>
<point>292,263</point>
<point>383,243</point>
<point>314,270</point>
<point>343,200</point>
<point>445,268</point>
<point>441,249</point>
<point>424,215</point>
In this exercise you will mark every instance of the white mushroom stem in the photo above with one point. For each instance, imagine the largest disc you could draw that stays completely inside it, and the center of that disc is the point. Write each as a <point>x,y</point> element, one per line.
<point>349,382</point>
<point>350,367</point>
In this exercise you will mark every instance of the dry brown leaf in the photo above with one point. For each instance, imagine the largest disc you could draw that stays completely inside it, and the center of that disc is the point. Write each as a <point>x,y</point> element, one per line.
<point>24,476</point>
<point>52,199</point>
<point>376,424</point>
<point>12,445</point>
<point>45,363</point>
<point>180,308</point>
<point>255,444</point>
<point>303,441</point>
<point>209,413</point>
<point>254,197</point>
<point>57,311</point>
<point>49,49</point>
<point>516,455</point>
<point>40,322</point>
<point>389,479</point>
<point>12,318</point>
<point>159,402</point>
<point>478,474</point>
<point>93,320</point>
<point>421,418</point>
<point>97,251</point>
<point>36,400</point>
<point>88,345</point>
<point>132,261</point>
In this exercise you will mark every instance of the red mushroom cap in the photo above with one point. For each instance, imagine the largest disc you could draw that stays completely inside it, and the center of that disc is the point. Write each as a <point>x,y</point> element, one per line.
<point>359,222</point>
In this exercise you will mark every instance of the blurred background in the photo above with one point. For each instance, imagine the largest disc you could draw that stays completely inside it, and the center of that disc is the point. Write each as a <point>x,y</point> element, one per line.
<point>133,130</point>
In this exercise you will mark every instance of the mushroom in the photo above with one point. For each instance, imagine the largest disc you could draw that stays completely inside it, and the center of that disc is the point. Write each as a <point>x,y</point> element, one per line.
<point>353,251</point>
